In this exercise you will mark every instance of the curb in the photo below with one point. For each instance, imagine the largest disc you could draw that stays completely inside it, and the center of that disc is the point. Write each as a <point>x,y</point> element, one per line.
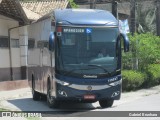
<point>13,85</point>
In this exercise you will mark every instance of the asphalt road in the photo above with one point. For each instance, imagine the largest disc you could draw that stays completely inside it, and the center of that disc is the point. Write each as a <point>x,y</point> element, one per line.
<point>138,109</point>
<point>146,100</point>
<point>146,108</point>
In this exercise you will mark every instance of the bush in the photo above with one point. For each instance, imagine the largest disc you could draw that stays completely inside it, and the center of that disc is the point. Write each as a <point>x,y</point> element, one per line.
<point>153,72</point>
<point>132,80</point>
<point>144,50</point>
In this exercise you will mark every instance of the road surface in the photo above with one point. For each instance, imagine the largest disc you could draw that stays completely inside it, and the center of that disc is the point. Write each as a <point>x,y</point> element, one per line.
<point>146,100</point>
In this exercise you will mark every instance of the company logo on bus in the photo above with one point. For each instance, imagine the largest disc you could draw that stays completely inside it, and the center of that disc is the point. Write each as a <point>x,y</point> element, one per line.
<point>90,76</point>
<point>89,88</point>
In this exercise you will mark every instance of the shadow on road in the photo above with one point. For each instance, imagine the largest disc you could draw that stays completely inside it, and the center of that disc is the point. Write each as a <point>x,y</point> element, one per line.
<point>66,109</point>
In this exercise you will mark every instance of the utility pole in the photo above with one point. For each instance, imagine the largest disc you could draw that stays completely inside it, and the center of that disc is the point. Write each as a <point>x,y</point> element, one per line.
<point>133,16</point>
<point>115,8</point>
<point>158,17</point>
<point>133,30</point>
<point>93,4</point>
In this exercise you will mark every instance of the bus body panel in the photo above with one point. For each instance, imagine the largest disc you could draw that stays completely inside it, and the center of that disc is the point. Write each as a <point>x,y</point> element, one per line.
<point>39,56</point>
<point>82,17</point>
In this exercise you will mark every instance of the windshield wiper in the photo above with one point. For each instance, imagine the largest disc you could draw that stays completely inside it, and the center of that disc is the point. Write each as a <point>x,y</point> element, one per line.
<point>71,71</point>
<point>98,66</point>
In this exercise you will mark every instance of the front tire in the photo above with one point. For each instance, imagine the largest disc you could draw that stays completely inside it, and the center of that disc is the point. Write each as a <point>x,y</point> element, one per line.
<point>51,101</point>
<point>106,103</point>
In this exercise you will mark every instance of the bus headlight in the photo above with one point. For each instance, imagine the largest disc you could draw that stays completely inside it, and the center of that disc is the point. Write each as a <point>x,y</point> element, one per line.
<point>116,83</point>
<point>63,93</point>
<point>62,83</point>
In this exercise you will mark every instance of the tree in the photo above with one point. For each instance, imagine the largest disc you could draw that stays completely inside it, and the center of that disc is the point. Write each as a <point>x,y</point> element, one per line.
<point>73,4</point>
<point>145,47</point>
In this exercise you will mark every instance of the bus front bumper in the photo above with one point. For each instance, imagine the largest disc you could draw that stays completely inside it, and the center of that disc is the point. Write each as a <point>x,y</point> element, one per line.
<point>88,92</point>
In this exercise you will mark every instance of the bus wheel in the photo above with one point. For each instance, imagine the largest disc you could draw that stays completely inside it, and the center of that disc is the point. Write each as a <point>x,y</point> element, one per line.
<point>35,94</point>
<point>51,101</point>
<point>106,103</point>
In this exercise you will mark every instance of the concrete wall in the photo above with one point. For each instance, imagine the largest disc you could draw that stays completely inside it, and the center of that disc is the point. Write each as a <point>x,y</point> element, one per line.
<point>15,60</point>
<point>15,55</point>
<point>18,61</point>
<point>5,25</point>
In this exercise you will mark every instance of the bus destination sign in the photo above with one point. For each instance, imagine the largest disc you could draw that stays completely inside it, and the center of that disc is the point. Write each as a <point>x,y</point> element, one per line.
<point>73,30</point>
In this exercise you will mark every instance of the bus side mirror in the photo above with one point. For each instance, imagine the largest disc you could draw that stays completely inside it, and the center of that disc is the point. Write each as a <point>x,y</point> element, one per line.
<point>125,41</point>
<point>51,41</point>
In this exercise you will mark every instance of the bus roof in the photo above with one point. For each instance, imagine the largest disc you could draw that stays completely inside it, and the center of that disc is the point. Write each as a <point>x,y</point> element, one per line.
<point>85,17</point>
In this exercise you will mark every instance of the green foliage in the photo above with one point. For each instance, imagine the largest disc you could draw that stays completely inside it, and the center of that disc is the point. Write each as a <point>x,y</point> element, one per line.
<point>149,50</point>
<point>127,60</point>
<point>153,72</point>
<point>132,80</point>
<point>73,4</point>
<point>145,48</point>
<point>2,109</point>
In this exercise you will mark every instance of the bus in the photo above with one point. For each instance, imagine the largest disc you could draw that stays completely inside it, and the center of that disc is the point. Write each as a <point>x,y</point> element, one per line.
<point>75,55</point>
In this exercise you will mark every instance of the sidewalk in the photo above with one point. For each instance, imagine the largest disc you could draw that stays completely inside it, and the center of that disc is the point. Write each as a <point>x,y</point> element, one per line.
<point>134,95</point>
<point>13,85</point>
<point>14,93</point>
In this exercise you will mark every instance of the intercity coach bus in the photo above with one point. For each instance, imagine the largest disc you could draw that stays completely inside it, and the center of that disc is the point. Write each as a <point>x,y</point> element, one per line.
<point>75,55</point>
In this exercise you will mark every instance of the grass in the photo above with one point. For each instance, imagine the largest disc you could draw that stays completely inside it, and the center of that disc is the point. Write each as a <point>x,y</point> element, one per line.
<point>2,109</point>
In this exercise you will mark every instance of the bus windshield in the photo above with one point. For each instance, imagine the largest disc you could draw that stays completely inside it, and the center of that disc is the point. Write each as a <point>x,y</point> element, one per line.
<point>86,51</point>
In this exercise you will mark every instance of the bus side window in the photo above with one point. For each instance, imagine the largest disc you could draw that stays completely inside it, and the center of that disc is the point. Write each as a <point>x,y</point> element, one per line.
<point>46,44</point>
<point>31,43</point>
<point>40,44</point>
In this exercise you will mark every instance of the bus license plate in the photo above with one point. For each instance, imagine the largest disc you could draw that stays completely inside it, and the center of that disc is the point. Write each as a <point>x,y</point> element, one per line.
<point>89,97</point>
